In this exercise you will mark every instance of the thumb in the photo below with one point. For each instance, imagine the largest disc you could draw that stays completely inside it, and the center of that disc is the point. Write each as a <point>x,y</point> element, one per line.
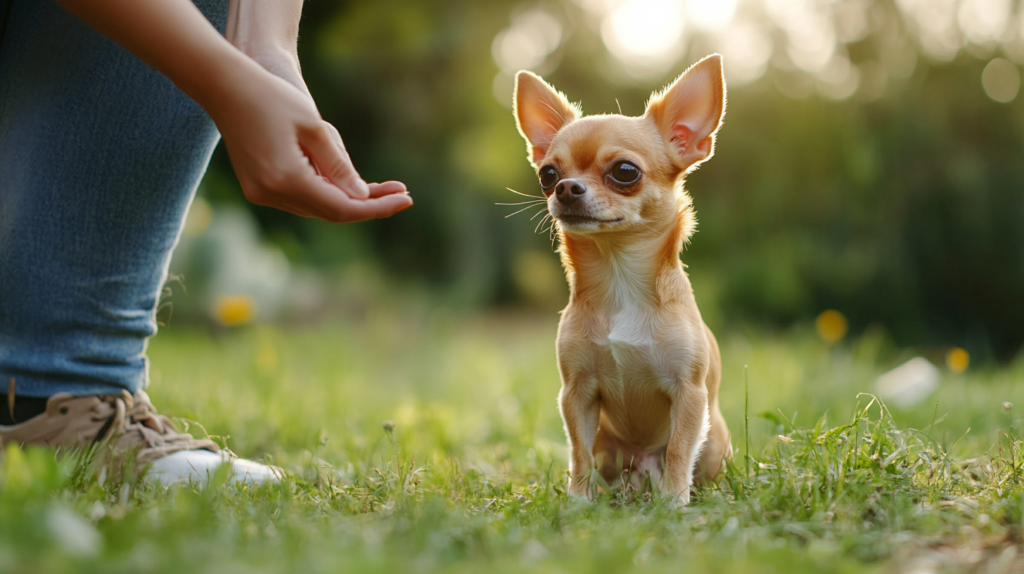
<point>327,153</point>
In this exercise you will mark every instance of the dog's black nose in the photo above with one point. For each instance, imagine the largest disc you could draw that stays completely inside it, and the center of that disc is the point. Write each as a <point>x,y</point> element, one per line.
<point>569,190</point>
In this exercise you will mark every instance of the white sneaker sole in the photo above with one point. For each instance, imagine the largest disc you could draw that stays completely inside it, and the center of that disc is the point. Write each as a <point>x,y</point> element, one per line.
<point>199,466</point>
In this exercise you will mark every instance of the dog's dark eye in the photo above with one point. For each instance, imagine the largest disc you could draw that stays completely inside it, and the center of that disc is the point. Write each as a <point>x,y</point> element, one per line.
<point>625,172</point>
<point>548,177</point>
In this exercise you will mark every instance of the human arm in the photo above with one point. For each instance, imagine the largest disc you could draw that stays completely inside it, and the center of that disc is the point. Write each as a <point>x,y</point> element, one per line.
<point>268,31</point>
<point>278,143</point>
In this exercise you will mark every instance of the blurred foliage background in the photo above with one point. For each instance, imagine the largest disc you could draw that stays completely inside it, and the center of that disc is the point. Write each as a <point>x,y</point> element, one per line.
<point>870,162</point>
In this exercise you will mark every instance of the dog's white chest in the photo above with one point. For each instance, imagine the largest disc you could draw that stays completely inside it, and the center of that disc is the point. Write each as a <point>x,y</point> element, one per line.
<point>633,348</point>
<point>634,383</point>
<point>630,329</point>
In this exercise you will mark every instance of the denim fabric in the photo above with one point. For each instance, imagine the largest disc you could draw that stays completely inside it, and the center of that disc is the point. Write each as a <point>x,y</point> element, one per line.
<point>100,157</point>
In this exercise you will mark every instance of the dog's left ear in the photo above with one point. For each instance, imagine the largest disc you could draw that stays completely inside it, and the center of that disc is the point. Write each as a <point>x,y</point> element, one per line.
<point>540,112</point>
<point>689,112</point>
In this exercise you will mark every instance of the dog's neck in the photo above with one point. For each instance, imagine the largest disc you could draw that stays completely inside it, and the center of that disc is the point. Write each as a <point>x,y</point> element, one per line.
<point>617,270</point>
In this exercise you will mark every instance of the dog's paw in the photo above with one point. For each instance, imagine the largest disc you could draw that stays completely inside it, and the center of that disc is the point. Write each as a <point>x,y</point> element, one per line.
<point>678,500</point>
<point>578,498</point>
<point>579,490</point>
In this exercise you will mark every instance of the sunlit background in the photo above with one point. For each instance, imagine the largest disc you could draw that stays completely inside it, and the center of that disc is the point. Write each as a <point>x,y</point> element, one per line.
<point>870,166</point>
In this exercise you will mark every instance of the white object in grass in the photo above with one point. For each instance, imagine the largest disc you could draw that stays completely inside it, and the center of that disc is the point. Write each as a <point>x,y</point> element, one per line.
<point>909,383</point>
<point>199,465</point>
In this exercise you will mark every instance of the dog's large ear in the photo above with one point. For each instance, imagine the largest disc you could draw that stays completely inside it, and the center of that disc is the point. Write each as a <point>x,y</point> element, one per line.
<point>540,112</point>
<point>689,112</point>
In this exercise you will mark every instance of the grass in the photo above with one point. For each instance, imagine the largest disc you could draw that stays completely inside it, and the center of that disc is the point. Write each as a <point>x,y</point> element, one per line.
<point>471,477</point>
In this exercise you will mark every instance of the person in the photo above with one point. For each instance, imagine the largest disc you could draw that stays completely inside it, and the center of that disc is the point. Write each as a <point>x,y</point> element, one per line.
<point>109,112</point>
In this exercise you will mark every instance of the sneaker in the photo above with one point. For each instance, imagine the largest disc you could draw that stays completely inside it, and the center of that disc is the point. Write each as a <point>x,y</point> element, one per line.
<point>131,422</point>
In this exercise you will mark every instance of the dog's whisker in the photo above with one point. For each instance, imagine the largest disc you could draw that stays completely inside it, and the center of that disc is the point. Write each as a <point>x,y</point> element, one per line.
<point>524,202</point>
<point>522,210</point>
<point>541,222</point>
<point>538,213</point>
<point>524,194</point>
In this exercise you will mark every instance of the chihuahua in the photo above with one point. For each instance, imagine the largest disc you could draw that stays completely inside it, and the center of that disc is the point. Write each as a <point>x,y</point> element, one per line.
<point>640,369</point>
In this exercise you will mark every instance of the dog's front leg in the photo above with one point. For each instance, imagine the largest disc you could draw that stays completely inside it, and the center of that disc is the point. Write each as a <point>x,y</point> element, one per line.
<point>689,431</point>
<point>581,412</point>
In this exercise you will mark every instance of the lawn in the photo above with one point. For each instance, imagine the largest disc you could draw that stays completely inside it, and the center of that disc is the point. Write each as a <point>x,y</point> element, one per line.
<point>420,440</point>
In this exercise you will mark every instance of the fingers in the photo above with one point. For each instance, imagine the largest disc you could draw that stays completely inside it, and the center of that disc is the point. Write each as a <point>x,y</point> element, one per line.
<point>374,208</point>
<point>323,200</point>
<point>327,153</point>
<point>387,188</point>
<point>305,193</point>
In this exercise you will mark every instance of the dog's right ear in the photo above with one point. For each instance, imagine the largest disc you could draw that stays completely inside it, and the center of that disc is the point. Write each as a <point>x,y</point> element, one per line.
<point>689,112</point>
<point>540,112</point>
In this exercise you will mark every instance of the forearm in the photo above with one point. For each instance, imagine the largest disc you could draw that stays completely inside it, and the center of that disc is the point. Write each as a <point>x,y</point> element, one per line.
<point>174,37</point>
<point>268,32</point>
<point>259,27</point>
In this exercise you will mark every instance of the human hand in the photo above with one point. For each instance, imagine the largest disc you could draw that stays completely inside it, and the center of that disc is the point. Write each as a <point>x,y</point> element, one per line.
<point>287,157</point>
<point>268,34</point>
<point>285,65</point>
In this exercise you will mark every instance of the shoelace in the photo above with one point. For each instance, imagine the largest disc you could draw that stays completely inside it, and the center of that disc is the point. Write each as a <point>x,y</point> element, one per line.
<point>136,417</point>
<point>119,406</point>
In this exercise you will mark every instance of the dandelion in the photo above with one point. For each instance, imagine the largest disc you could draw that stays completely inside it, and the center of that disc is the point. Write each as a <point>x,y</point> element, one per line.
<point>831,326</point>
<point>232,310</point>
<point>957,360</point>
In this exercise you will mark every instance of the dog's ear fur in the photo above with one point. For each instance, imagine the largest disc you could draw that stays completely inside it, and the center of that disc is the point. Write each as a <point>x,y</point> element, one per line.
<point>689,112</point>
<point>540,112</point>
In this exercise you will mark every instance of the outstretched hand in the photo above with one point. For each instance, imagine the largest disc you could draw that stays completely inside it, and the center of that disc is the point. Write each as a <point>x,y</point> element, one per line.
<point>286,156</point>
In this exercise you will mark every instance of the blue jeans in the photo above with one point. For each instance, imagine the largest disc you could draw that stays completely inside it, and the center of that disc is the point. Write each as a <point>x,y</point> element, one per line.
<point>100,157</point>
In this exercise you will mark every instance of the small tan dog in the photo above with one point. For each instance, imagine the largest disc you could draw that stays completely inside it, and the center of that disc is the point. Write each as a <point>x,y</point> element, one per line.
<point>640,369</point>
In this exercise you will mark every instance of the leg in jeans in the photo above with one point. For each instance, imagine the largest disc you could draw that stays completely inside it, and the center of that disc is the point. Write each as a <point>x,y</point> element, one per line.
<point>100,157</point>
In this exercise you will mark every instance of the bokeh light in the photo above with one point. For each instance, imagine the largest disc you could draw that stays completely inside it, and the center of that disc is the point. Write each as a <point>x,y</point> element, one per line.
<point>1001,80</point>
<point>527,44</point>
<point>812,40</point>
<point>813,44</point>
<point>746,48</point>
<point>839,80</point>
<point>936,25</point>
<point>851,19</point>
<point>958,360</point>
<point>710,14</point>
<point>984,21</point>
<point>831,326</point>
<point>533,35</point>
<point>647,35</point>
